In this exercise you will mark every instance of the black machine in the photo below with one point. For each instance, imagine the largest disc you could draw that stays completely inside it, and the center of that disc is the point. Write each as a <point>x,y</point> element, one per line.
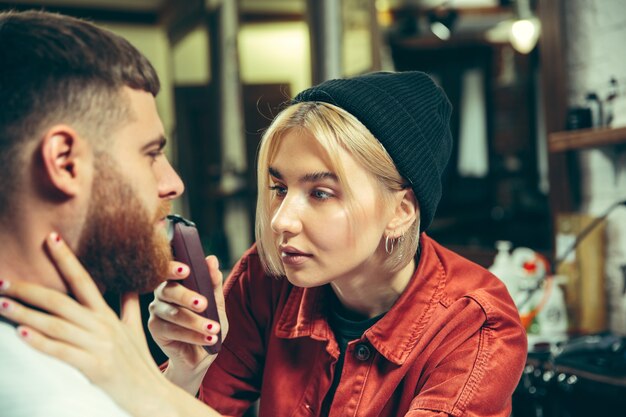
<point>585,376</point>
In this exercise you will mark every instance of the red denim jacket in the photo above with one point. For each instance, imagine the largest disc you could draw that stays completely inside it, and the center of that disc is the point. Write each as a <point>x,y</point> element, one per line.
<point>452,344</point>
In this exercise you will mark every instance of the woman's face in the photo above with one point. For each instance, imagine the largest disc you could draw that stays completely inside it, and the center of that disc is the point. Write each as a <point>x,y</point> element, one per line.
<point>318,238</point>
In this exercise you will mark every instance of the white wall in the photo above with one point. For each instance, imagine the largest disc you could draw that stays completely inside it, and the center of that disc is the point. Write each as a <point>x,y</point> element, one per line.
<point>153,43</point>
<point>192,59</point>
<point>595,31</point>
<point>275,52</point>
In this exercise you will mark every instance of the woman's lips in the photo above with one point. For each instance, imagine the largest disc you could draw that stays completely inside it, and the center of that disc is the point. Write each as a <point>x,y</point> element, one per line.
<point>292,256</point>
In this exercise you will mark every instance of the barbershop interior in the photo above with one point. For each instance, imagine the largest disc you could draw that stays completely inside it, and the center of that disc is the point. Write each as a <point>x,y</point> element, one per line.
<point>535,189</point>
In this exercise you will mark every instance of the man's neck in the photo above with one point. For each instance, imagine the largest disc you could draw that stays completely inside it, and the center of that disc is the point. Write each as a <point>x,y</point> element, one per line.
<point>23,258</point>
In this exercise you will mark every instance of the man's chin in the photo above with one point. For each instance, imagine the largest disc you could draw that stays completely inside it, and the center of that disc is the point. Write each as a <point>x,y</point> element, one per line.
<point>128,267</point>
<point>120,246</point>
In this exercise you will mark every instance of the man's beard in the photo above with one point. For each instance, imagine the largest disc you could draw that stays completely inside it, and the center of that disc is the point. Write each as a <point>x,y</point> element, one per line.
<point>120,246</point>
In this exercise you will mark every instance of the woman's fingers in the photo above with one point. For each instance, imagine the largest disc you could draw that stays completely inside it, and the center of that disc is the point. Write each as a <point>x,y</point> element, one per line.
<point>52,301</point>
<point>169,333</point>
<point>218,292</point>
<point>72,355</point>
<point>178,270</point>
<point>215,273</point>
<point>52,327</point>
<point>174,293</point>
<point>78,279</point>
<point>173,317</point>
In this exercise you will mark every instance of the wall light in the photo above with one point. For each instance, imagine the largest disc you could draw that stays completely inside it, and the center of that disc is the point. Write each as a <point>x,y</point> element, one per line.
<point>441,21</point>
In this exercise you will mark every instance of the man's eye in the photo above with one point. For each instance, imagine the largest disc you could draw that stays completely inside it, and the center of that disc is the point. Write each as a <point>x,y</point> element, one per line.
<point>155,154</point>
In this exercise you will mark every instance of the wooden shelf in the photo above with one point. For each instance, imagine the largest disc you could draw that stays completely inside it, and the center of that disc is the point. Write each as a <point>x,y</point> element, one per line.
<point>585,138</point>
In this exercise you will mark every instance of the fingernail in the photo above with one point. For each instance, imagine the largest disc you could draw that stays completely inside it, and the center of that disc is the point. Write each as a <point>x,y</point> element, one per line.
<point>196,302</point>
<point>55,237</point>
<point>5,306</point>
<point>210,326</point>
<point>209,338</point>
<point>24,333</point>
<point>180,269</point>
<point>4,285</point>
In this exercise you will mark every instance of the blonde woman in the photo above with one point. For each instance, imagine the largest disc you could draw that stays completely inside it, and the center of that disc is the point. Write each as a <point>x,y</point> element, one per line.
<point>345,306</point>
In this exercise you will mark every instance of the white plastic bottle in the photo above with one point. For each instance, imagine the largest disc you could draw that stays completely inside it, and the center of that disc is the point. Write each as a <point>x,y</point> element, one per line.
<point>504,268</point>
<point>552,318</point>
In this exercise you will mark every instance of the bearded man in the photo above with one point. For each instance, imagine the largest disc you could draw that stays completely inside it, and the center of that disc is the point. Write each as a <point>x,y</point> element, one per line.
<point>81,155</point>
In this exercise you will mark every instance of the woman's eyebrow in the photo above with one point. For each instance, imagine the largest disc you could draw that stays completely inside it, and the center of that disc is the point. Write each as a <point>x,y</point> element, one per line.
<point>275,173</point>
<point>311,177</point>
<point>317,176</point>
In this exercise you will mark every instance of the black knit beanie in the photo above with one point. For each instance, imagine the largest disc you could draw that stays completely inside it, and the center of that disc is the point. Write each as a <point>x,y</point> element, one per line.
<point>410,116</point>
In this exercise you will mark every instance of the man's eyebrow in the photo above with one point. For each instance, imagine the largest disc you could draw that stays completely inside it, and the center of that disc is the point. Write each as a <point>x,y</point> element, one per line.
<point>161,141</point>
<point>311,177</point>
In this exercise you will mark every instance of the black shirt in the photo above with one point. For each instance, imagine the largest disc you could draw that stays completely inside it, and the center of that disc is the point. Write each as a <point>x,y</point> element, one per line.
<point>347,327</point>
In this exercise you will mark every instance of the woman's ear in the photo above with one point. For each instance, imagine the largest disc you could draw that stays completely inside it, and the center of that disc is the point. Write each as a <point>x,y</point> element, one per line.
<point>63,153</point>
<point>406,211</point>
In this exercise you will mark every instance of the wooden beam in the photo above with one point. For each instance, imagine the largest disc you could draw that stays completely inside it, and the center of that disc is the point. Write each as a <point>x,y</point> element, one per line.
<point>181,17</point>
<point>270,17</point>
<point>586,138</point>
<point>563,180</point>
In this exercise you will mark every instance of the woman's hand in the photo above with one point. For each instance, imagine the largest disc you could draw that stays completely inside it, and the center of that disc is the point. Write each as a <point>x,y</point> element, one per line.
<point>181,332</point>
<point>88,335</point>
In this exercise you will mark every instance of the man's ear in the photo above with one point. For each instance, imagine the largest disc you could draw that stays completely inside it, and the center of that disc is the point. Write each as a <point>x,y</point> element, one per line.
<point>406,211</point>
<point>63,153</point>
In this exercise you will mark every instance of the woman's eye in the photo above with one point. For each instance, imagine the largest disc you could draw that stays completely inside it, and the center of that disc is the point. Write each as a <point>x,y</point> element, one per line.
<point>321,194</point>
<point>279,190</point>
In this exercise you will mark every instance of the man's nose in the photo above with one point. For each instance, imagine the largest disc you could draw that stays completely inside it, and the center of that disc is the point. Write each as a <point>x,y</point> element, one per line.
<point>170,184</point>
<point>287,219</point>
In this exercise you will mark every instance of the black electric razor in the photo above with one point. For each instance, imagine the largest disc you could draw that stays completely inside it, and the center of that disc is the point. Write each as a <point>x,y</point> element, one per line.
<point>187,248</point>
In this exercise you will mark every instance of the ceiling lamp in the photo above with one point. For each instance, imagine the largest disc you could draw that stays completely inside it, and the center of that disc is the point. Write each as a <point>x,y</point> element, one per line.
<point>526,28</point>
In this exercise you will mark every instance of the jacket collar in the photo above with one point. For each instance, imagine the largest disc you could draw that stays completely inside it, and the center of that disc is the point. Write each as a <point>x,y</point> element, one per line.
<point>304,311</point>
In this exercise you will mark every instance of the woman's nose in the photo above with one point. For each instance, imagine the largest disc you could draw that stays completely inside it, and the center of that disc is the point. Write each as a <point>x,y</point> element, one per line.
<point>286,219</point>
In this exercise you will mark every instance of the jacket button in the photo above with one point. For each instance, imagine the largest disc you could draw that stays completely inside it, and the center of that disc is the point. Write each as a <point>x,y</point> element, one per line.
<point>362,352</point>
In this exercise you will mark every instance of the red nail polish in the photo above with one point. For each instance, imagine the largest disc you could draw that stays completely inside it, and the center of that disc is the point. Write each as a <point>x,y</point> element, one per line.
<point>210,326</point>
<point>180,270</point>
<point>24,333</point>
<point>196,302</point>
<point>209,338</point>
<point>1,283</point>
<point>5,305</point>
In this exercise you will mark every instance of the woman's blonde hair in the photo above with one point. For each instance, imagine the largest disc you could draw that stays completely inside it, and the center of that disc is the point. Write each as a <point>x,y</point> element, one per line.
<point>333,128</point>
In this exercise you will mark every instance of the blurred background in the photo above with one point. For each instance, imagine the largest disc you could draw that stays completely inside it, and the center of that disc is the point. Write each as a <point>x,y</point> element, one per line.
<point>540,109</point>
<point>226,67</point>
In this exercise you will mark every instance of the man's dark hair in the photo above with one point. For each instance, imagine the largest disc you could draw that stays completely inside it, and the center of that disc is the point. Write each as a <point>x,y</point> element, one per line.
<point>59,69</point>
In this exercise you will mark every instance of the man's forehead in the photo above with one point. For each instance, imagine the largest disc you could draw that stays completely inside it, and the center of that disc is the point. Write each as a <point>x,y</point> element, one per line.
<point>144,127</point>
